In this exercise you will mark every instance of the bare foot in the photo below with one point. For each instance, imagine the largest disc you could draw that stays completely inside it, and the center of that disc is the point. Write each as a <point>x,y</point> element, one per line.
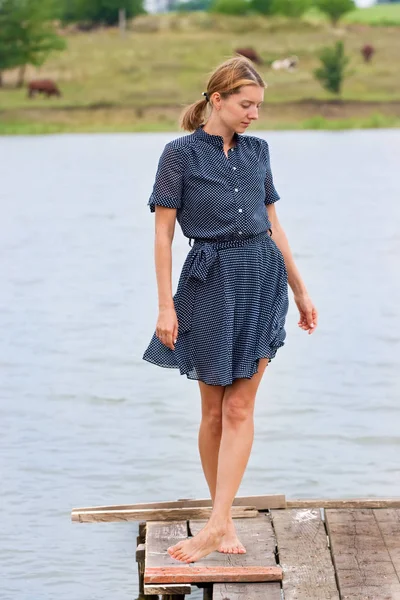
<point>206,541</point>
<point>230,543</point>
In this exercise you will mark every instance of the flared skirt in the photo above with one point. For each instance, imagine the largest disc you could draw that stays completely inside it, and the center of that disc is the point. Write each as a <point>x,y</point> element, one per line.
<point>231,303</point>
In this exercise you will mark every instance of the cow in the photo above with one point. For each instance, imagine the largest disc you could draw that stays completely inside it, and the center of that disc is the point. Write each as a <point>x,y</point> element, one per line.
<point>249,53</point>
<point>288,63</point>
<point>43,86</point>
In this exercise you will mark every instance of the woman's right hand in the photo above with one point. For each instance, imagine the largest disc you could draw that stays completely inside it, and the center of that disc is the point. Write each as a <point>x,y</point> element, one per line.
<point>167,327</point>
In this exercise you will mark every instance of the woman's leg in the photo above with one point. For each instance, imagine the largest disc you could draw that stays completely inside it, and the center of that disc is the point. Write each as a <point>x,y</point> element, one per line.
<point>209,441</point>
<point>234,452</point>
<point>210,431</point>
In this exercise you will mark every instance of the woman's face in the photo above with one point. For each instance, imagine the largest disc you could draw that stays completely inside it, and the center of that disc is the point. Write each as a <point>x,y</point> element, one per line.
<point>237,111</point>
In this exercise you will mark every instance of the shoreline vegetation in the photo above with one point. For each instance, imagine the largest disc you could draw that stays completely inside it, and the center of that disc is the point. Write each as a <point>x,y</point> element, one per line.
<point>141,80</point>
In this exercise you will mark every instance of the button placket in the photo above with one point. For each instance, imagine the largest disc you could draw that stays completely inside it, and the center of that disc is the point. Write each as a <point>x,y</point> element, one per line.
<point>239,214</point>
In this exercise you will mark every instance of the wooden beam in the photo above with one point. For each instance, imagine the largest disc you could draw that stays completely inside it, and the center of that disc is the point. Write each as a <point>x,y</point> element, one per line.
<point>190,574</point>
<point>168,588</point>
<point>346,503</point>
<point>259,502</point>
<point>167,514</point>
<point>263,502</point>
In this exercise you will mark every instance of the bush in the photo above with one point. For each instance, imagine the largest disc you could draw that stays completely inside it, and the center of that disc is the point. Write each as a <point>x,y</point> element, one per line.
<point>264,7</point>
<point>231,7</point>
<point>101,12</point>
<point>290,8</point>
<point>332,72</point>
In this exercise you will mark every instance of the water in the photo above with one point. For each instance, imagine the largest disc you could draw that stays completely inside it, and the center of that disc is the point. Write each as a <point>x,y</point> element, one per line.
<point>85,421</point>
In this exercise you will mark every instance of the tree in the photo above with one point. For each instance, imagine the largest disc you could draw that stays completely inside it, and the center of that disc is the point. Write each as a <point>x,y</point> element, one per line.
<point>191,5</point>
<point>27,35</point>
<point>101,11</point>
<point>335,9</point>
<point>332,72</point>
<point>290,8</point>
<point>231,7</point>
<point>264,7</point>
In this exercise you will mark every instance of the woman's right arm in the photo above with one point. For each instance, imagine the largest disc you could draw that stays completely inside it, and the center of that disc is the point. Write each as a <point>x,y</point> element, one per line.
<point>165,200</point>
<point>167,322</point>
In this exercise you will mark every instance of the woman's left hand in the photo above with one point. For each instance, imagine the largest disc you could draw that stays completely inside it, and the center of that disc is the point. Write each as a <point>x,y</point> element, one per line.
<point>308,313</point>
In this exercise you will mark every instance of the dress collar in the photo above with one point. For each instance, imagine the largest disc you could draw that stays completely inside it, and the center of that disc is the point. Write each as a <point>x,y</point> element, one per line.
<point>215,140</point>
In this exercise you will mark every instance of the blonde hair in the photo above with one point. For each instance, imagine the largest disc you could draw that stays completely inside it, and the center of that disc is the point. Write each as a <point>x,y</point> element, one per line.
<point>226,79</point>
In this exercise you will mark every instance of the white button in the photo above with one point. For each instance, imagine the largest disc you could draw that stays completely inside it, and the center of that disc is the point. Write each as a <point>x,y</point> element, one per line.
<point>234,168</point>
<point>236,190</point>
<point>240,209</point>
<point>240,232</point>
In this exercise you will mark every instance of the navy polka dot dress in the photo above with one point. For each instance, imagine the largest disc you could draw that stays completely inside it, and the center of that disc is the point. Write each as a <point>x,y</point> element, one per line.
<point>232,296</point>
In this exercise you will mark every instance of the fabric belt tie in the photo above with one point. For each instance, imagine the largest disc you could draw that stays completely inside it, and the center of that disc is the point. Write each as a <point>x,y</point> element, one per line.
<point>204,256</point>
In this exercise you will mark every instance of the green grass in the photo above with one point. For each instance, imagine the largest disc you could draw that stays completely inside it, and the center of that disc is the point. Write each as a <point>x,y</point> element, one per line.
<point>379,15</point>
<point>143,81</point>
<point>376,120</point>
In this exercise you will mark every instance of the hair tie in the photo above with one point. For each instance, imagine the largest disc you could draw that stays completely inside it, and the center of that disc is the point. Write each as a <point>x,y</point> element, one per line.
<point>207,96</point>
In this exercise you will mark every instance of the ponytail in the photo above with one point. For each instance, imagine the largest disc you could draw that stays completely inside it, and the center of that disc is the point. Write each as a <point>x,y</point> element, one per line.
<point>193,115</point>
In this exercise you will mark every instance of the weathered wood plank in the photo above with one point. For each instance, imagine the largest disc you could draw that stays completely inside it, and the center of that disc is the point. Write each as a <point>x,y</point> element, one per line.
<point>162,568</point>
<point>159,536</point>
<point>160,514</point>
<point>246,591</point>
<point>346,503</point>
<point>259,502</point>
<point>189,574</point>
<point>304,555</point>
<point>168,588</point>
<point>257,536</point>
<point>388,520</point>
<point>364,567</point>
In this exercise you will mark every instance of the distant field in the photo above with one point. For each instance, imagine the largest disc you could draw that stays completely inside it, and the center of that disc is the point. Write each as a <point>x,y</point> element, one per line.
<point>142,82</point>
<point>381,14</point>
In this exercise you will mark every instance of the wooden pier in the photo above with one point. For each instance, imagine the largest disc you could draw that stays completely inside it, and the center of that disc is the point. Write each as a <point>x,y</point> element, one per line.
<point>296,549</point>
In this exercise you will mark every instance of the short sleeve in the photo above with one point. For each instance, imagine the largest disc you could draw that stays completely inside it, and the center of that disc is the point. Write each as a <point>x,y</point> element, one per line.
<point>271,195</point>
<point>168,185</point>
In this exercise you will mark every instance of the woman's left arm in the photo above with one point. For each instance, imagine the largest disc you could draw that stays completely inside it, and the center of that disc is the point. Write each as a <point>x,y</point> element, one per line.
<point>308,313</point>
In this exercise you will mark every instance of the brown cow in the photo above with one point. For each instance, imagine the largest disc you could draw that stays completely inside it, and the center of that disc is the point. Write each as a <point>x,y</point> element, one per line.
<point>249,53</point>
<point>43,86</point>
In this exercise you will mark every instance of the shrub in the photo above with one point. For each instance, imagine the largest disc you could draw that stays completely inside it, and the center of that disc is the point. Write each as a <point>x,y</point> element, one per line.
<point>332,71</point>
<point>264,7</point>
<point>231,7</point>
<point>290,8</point>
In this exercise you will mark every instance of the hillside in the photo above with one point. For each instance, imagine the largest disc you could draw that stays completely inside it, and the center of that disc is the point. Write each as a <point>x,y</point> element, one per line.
<point>141,81</point>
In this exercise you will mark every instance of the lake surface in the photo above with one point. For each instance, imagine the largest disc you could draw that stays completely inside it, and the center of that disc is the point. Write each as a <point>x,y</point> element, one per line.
<point>85,421</point>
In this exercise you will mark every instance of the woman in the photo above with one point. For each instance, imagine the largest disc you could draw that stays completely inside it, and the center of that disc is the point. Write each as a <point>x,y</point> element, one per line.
<point>226,320</point>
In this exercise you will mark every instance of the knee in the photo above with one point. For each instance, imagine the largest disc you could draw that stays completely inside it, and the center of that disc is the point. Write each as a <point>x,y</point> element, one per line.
<point>237,408</point>
<point>213,421</point>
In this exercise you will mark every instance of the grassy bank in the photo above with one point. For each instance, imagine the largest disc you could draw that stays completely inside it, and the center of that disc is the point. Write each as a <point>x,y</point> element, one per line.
<point>379,15</point>
<point>142,81</point>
